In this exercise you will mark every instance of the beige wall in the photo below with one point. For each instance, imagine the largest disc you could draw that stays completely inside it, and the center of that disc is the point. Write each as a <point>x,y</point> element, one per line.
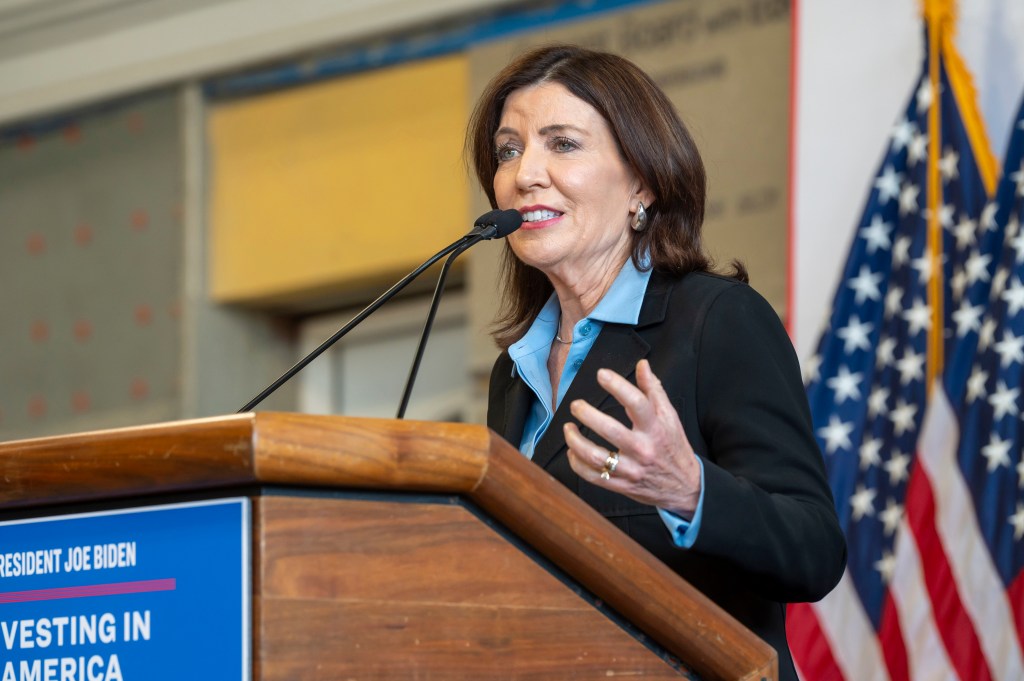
<point>320,189</point>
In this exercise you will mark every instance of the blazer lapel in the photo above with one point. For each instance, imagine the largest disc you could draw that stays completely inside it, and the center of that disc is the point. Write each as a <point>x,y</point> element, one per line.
<point>518,398</point>
<point>619,348</point>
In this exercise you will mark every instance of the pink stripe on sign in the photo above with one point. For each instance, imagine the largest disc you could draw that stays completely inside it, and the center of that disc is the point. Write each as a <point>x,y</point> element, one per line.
<point>90,590</point>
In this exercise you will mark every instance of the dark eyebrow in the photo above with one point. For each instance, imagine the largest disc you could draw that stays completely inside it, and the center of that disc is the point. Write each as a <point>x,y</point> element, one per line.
<point>546,130</point>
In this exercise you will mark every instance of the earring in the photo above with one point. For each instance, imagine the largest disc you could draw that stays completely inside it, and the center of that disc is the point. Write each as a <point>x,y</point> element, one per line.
<point>640,222</point>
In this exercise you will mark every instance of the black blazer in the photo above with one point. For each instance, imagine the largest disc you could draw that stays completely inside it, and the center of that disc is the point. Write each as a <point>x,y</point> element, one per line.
<point>769,533</point>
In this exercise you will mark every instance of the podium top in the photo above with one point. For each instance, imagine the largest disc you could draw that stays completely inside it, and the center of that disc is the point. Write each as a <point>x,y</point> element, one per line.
<point>380,454</point>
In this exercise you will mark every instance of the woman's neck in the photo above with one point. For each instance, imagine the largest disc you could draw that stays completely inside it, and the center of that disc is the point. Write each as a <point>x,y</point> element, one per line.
<point>577,297</point>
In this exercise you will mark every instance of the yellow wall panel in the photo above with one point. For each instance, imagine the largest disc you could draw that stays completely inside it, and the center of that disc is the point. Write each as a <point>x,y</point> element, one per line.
<point>325,187</point>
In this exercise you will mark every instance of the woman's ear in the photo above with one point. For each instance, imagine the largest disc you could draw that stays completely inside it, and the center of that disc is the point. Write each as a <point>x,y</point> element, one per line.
<point>641,195</point>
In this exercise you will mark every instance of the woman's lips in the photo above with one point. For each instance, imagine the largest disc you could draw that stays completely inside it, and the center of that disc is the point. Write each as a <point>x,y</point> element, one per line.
<point>538,217</point>
<point>541,224</point>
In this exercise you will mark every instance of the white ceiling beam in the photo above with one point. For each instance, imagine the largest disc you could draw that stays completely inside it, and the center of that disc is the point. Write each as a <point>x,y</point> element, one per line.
<point>197,42</point>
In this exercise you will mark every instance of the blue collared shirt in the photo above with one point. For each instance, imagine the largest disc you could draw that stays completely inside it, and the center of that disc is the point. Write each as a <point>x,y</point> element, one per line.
<point>620,305</point>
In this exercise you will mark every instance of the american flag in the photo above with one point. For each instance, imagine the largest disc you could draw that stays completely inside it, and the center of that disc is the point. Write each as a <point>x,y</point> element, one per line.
<point>915,391</point>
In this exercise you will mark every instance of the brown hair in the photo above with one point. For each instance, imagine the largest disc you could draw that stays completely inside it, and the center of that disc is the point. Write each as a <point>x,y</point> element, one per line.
<point>653,142</point>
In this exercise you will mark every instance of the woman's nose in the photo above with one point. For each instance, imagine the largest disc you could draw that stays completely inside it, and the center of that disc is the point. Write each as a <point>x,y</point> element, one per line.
<point>533,170</point>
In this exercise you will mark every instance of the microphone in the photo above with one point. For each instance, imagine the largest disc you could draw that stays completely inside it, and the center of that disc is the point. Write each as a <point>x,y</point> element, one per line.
<point>494,224</point>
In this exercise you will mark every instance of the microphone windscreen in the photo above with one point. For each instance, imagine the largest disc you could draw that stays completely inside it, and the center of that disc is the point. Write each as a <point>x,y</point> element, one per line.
<point>503,221</point>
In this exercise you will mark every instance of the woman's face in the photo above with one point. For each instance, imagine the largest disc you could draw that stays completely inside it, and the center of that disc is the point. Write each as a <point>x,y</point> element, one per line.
<point>560,167</point>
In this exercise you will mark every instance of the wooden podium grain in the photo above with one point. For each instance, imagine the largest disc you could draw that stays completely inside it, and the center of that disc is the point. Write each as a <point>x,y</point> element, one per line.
<point>404,550</point>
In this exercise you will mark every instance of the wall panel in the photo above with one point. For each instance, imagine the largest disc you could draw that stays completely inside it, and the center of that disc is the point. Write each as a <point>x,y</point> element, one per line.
<point>325,187</point>
<point>90,270</point>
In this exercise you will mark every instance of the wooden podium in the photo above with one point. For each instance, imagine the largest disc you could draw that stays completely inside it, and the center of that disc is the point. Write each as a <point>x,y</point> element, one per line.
<point>403,549</point>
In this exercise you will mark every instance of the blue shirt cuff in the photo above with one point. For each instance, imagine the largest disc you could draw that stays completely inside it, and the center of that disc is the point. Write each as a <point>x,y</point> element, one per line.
<point>684,532</point>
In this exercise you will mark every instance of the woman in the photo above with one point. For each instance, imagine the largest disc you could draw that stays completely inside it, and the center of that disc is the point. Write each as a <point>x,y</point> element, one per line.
<point>667,397</point>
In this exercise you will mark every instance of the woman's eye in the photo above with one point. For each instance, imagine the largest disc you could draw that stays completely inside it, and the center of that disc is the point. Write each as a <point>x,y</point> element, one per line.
<point>564,144</point>
<point>505,152</point>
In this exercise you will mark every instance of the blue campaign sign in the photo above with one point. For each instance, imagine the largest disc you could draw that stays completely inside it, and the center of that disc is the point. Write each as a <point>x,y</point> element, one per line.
<point>142,594</point>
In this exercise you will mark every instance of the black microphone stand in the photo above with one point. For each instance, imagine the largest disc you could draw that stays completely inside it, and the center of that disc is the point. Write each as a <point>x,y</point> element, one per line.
<point>491,225</point>
<point>434,302</point>
<point>367,311</point>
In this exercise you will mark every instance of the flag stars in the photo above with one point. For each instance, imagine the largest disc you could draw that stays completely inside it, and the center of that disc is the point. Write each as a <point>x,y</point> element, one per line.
<point>1018,178</point>
<point>968,318</point>
<point>925,95</point>
<point>891,517</point>
<point>1012,228</point>
<point>911,367</point>
<point>976,384</point>
<point>958,283</point>
<point>908,199</point>
<point>836,435</point>
<point>945,215</point>
<point>998,283</point>
<point>855,335</point>
<point>898,468</point>
<point>987,335</point>
<point>1017,243</point>
<point>902,417</point>
<point>886,566</point>
<point>997,452</point>
<point>811,368</point>
<point>1010,349</point>
<point>902,134</point>
<point>893,301</point>
<point>865,284</point>
<point>846,385</point>
<point>924,266</point>
<point>917,150</point>
<point>901,251</point>
<point>964,232</point>
<point>877,234</point>
<point>863,502</point>
<point>918,317</point>
<point>988,216</point>
<point>976,267</point>
<point>1017,520</point>
<point>878,402</point>
<point>1014,297</point>
<point>888,184</point>
<point>1004,401</point>
<point>886,352</point>
<point>869,453</point>
<point>948,165</point>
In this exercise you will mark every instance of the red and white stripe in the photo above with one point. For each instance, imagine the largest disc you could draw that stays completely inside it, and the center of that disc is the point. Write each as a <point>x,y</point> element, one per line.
<point>950,617</point>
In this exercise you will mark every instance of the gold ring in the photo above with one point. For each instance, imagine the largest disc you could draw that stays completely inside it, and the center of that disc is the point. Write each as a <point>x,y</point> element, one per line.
<point>610,464</point>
